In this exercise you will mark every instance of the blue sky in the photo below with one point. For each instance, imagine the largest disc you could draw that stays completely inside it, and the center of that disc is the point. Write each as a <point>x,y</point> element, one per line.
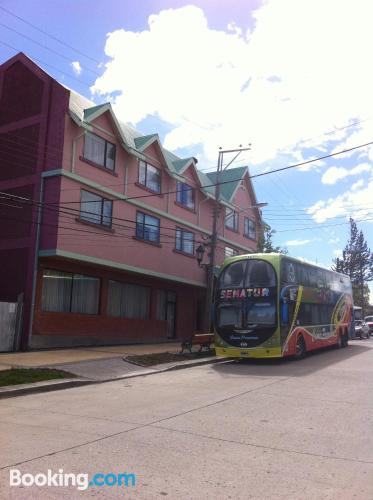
<point>290,78</point>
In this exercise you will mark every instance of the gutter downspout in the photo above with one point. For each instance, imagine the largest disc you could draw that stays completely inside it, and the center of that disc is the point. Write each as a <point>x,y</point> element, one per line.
<point>74,151</point>
<point>199,210</point>
<point>125,179</point>
<point>36,260</point>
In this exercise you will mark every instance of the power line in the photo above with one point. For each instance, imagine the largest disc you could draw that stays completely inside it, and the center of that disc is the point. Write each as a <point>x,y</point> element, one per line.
<point>46,47</point>
<point>75,212</point>
<point>49,35</point>
<point>88,85</point>
<point>99,62</point>
<point>235,180</point>
<point>131,183</point>
<point>103,233</point>
<point>261,174</point>
<point>313,160</point>
<point>250,176</point>
<point>195,241</point>
<point>324,225</point>
<point>57,151</point>
<point>153,116</point>
<point>48,65</point>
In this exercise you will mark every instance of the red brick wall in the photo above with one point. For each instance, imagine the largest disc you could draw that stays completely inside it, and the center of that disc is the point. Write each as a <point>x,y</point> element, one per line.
<point>102,325</point>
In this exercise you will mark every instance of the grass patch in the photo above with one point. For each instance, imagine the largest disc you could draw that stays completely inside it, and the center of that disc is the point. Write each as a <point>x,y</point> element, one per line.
<point>166,357</point>
<point>17,376</point>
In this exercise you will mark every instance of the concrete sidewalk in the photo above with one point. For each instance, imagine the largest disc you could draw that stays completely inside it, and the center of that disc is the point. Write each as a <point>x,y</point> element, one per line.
<point>57,357</point>
<point>99,371</point>
<point>91,365</point>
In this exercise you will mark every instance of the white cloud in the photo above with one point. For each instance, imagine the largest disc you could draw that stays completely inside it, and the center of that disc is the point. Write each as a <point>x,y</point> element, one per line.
<point>233,27</point>
<point>76,67</point>
<point>334,174</point>
<point>334,241</point>
<point>296,243</point>
<point>355,203</point>
<point>337,252</point>
<point>357,185</point>
<point>222,88</point>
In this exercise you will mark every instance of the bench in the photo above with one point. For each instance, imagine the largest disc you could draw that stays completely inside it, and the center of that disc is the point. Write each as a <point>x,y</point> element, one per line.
<point>204,340</point>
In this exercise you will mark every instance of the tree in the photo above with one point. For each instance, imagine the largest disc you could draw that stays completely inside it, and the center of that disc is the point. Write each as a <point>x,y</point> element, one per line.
<point>357,263</point>
<point>265,243</point>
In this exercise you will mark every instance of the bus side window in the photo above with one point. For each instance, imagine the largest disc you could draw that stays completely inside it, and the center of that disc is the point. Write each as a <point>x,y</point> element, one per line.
<point>284,312</point>
<point>321,282</point>
<point>313,278</point>
<point>304,278</point>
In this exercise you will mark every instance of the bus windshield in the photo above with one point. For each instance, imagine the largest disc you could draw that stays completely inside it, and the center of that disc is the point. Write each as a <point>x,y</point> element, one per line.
<point>248,273</point>
<point>260,313</point>
<point>246,310</point>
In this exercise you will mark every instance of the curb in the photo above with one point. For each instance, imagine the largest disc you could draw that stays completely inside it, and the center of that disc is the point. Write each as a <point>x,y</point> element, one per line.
<point>12,391</point>
<point>40,387</point>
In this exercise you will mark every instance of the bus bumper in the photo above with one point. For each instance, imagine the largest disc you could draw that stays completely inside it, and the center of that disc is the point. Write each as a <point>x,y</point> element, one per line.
<point>257,352</point>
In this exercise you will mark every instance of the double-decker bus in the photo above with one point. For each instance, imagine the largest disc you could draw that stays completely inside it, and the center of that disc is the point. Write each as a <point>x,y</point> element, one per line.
<point>271,306</point>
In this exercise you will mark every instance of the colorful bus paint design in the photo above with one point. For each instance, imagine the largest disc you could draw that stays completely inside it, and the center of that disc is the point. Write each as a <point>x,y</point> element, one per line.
<point>270,305</point>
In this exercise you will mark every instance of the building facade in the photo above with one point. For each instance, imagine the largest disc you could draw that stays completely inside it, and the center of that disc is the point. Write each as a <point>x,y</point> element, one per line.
<point>99,224</point>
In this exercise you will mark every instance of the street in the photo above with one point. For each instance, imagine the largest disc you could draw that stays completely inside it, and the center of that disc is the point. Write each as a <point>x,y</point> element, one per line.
<point>233,430</point>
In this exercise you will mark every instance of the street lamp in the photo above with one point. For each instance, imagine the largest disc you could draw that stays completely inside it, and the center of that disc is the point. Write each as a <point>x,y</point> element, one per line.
<point>200,252</point>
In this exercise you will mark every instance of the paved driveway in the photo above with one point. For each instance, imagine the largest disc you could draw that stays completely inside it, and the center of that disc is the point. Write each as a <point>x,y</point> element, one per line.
<point>263,430</point>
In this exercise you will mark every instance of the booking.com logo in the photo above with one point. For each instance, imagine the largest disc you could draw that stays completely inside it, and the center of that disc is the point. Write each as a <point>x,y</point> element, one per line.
<point>63,479</point>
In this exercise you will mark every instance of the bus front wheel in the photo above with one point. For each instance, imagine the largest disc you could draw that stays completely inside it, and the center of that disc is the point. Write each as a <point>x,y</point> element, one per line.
<point>300,348</point>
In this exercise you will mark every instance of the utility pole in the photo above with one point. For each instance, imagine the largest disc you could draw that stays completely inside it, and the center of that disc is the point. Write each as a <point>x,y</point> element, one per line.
<point>214,236</point>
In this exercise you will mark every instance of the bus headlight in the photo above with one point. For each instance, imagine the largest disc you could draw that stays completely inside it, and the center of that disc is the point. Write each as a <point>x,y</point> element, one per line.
<point>271,342</point>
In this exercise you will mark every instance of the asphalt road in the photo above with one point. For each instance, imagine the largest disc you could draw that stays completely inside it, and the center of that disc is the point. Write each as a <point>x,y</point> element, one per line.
<point>262,430</point>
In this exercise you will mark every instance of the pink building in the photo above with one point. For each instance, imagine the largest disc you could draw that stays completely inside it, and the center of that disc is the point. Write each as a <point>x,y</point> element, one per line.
<point>103,243</point>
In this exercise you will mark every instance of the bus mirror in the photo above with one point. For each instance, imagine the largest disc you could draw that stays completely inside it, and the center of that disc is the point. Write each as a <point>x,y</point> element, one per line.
<point>284,313</point>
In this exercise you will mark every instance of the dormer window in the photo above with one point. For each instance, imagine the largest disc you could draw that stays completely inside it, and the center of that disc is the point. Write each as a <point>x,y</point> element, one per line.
<point>231,219</point>
<point>250,229</point>
<point>185,195</point>
<point>99,151</point>
<point>149,176</point>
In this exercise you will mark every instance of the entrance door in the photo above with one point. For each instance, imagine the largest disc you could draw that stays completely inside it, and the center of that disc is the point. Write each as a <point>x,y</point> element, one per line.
<point>171,319</point>
<point>166,310</point>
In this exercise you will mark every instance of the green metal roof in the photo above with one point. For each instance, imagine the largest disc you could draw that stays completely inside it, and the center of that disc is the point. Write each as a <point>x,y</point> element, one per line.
<point>83,109</point>
<point>232,174</point>
<point>180,164</point>
<point>141,141</point>
<point>88,112</point>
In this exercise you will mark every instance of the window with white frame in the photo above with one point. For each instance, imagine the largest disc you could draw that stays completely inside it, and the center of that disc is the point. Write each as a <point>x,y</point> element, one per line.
<point>184,241</point>
<point>147,227</point>
<point>100,151</point>
<point>149,176</point>
<point>185,195</point>
<point>70,293</point>
<point>230,252</point>
<point>250,228</point>
<point>231,219</point>
<point>95,209</point>
<point>126,300</point>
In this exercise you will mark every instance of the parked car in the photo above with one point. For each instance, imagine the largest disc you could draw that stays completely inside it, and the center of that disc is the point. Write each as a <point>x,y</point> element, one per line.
<point>361,329</point>
<point>369,321</point>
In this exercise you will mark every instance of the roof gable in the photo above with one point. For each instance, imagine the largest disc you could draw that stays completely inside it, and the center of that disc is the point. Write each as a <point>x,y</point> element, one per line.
<point>189,172</point>
<point>230,179</point>
<point>144,141</point>
<point>84,111</point>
